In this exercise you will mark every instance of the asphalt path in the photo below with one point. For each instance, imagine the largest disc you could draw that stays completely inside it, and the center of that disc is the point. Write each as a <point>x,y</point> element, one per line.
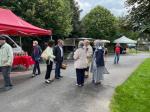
<point>33,95</point>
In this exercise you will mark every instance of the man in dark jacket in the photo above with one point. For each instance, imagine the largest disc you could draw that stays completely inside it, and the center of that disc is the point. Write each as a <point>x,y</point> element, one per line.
<point>36,57</point>
<point>59,53</point>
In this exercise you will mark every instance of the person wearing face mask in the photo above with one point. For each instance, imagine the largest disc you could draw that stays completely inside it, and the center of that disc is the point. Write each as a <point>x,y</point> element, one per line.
<point>6,61</point>
<point>98,64</point>
<point>36,54</point>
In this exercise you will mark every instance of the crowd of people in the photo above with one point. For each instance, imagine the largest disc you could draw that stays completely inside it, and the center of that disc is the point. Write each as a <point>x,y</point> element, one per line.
<point>50,55</point>
<point>86,60</point>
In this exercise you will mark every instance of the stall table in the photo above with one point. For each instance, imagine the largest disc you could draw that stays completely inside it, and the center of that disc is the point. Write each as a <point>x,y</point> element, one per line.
<point>25,61</point>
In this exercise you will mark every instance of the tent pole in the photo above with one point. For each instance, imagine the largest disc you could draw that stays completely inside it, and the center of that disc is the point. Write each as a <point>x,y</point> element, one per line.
<point>136,48</point>
<point>20,41</point>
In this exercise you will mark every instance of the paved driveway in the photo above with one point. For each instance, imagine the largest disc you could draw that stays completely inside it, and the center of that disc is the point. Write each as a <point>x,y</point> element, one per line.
<point>33,95</point>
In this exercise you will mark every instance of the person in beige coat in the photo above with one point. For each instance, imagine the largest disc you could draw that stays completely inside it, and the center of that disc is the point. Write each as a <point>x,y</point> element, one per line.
<point>89,53</point>
<point>80,63</point>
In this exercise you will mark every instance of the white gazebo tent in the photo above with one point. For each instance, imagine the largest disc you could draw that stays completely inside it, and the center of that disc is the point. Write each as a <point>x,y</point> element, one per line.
<point>125,40</point>
<point>105,41</point>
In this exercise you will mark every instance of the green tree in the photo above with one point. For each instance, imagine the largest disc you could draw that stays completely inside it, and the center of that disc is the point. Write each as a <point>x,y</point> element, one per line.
<point>99,23</point>
<point>59,17</point>
<point>140,14</point>
<point>124,28</point>
<point>75,18</point>
<point>48,14</point>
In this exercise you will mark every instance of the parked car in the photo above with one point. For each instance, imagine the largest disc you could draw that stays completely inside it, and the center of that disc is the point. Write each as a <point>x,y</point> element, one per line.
<point>14,45</point>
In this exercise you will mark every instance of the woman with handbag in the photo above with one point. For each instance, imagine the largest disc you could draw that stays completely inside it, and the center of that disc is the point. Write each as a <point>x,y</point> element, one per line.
<point>49,57</point>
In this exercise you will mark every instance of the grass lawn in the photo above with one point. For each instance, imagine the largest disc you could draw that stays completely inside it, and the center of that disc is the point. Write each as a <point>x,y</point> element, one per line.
<point>133,51</point>
<point>134,94</point>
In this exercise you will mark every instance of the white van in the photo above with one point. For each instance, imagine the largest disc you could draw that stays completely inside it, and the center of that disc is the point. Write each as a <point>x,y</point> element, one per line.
<point>14,45</point>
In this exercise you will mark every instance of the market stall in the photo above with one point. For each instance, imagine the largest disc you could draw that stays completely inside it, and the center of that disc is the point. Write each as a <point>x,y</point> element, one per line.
<point>125,41</point>
<point>12,25</point>
<point>25,61</point>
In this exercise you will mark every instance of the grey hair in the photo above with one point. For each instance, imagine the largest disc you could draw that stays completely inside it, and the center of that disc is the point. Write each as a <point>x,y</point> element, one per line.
<point>35,42</point>
<point>98,43</point>
<point>80,44</point>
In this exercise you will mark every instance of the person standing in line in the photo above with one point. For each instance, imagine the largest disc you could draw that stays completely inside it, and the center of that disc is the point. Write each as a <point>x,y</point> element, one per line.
<point>6,61</point>
<point>117,53</point>
<point>36,55</point>
<point>49,62</point>
<point>98,64</point>
<point>59,54</point>
<point>80,63</point>
<point>106,51</point>
<point>89,52</point>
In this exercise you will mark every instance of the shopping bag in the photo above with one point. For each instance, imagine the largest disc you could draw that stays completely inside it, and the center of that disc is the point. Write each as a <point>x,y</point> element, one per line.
<point>44,55</point>
<point>63,66</point>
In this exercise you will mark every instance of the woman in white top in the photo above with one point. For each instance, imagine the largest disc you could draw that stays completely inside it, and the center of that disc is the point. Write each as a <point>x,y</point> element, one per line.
<point>49,62</point>
<point>80,63</point>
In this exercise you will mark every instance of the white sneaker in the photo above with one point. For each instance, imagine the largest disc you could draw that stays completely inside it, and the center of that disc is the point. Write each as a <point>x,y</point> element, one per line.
<point>33,75</point>
<point>76,84</point>
<point>47,81</point>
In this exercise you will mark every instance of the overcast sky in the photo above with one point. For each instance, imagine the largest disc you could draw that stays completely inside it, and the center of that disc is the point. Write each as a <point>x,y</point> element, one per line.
<point>117,7</point>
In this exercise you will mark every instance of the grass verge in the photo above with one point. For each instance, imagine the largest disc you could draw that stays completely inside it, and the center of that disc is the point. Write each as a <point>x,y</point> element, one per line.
<point>134,94</point>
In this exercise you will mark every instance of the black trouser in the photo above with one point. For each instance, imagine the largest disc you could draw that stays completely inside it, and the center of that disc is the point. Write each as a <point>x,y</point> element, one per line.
<point>80,76</point>
<point>87,69</point>
<point>49,69</point>
<point>36,66</point>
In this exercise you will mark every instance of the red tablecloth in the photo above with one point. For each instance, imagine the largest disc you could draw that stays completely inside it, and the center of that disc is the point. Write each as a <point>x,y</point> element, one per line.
<point>26,61</point>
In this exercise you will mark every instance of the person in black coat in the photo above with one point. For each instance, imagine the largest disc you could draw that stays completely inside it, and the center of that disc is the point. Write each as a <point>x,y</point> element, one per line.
<point>59,54</point>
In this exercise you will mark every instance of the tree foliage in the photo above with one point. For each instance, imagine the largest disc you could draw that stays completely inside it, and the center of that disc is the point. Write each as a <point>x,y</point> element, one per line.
<point>49,14</point>
<point>124,28</point>
<point>140,14</point>
<point>75,18</point>
<point>99,23</point>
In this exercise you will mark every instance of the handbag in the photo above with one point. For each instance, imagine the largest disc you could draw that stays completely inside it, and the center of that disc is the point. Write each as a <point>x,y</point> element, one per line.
<point>64,66</point>
<point>44,55</point>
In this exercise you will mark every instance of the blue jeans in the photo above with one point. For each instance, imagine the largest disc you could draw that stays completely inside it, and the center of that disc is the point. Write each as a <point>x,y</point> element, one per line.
<point>57,69</point>
<point>36,67</point>
<point>116,60</point>
<point>6,75</point>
